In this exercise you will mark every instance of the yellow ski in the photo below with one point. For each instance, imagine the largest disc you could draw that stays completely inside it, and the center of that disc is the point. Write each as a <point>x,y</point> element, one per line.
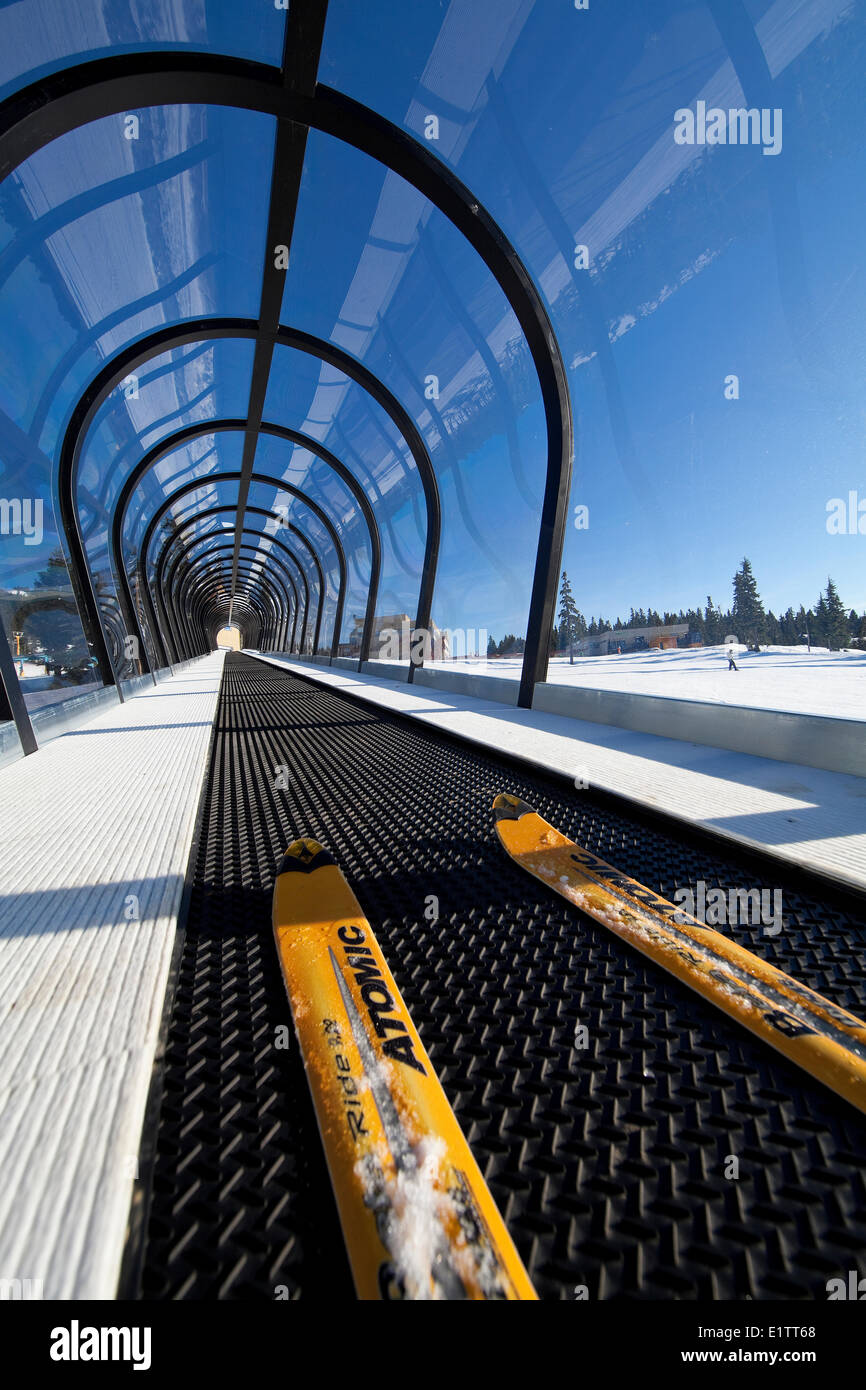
<point>417,1217</point>
<point>826,1041</point>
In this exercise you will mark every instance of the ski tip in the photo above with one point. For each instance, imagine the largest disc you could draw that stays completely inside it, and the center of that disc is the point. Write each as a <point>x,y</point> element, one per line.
<point>508,807</point>
<point>304,857</point>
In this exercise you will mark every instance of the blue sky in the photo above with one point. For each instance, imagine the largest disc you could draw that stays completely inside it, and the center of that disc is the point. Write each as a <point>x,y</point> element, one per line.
<point>703,263</point>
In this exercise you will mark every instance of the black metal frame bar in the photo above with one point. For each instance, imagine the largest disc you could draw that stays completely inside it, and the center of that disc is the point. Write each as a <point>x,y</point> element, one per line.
<point>272,556</point>
<point>15,697</point>
<point>230,507</point>
<point>280,486</point>
<point>253,551</point>
<point>304,32</point>
<point>85,92</point>
<point>202,428</point>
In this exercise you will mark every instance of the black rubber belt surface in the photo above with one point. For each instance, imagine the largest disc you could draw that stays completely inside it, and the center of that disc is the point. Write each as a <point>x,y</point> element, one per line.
<point>609,1163</point>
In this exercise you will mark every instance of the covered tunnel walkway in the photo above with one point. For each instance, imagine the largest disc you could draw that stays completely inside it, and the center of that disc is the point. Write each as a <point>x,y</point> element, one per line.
<point>321,325</point>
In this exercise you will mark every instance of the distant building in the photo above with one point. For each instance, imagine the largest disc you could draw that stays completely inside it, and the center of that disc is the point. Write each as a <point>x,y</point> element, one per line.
<point>392,637</point>
<point>635,639</point>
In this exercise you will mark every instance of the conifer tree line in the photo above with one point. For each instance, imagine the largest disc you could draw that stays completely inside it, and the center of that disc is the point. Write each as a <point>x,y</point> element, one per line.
<point>826,624</point>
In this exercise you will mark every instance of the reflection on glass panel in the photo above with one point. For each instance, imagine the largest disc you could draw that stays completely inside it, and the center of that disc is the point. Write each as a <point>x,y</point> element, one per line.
<point>116,238</point>
<point>124,428</point>
<point>309,473</point>
<point>299,525</point>
<point>310,397</point>
<point>40,36</point>
<point>41,622</point>
<point>206,455</point>
<point>393,283</point>
<point>685,191</point>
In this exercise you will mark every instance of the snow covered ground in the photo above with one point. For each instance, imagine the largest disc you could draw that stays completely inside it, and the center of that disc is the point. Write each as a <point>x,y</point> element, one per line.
<point>780,678</point>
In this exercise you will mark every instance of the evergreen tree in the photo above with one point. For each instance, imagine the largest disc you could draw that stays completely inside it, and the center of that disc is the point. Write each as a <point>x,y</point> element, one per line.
<point>836,620</point>
<point>804,625</point>
<point>492,649</point>
<point>788,629</point>
<point>748,615</point>
<point>567,616</point>
<point>56,575</point>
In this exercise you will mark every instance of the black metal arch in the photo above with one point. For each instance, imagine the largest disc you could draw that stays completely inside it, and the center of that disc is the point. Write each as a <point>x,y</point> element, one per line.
<point>184,437</point>
<point>208,605</point>
<point>196,592</point>
<point>201,428</point>
<point>197,484</point>
<point>214,612</point>
<point>219,617</point>
<point>167,587</point>
<point>119,367</point>
<point>192,582</point>
<point>274,559</point>
<point>257,568</point>
<point>177,620</point>
<point>216,615</point>
<point>210,595</point>
<point>85,92</point>
<point>215,511</point>
<point>203,603</point>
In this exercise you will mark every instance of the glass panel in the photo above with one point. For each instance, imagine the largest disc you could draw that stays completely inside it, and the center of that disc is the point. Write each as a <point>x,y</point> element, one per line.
<point>213,492</point>
<point>311,397</point>
<point>37,607</point>
<point>715,358</point>
<point>392,282</point>
<point>310,474</point>
<point>40,36</point>
<point>216,385</point>
<point>292,517</point>
<point>115,239</point>
<point>202,457</point>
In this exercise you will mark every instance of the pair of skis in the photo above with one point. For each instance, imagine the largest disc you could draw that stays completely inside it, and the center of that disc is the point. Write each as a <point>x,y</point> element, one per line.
<point>417,1216</point>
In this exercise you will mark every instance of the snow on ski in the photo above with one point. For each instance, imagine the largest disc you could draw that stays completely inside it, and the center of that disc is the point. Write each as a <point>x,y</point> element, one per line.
<point>417,1216</point>
<point>826,1041</point>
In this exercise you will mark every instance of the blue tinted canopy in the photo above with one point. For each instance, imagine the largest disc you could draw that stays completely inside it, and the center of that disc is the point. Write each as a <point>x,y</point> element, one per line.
<point>298,305</point>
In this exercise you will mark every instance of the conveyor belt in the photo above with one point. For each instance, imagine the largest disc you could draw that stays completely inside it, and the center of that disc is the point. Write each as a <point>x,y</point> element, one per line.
<point>609,1164</point>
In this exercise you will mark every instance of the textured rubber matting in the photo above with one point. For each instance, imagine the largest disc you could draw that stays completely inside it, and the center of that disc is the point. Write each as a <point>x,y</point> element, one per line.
<point>613,1164</point>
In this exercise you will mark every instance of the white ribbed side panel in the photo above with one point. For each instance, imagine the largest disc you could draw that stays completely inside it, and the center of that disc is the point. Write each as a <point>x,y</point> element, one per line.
<point>94,829</point>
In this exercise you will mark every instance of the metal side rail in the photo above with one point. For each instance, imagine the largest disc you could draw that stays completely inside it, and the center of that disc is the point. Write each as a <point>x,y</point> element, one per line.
<point>613,1164</point>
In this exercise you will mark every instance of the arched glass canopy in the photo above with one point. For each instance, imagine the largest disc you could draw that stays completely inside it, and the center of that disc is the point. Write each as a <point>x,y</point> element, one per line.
<point>299,307</point>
